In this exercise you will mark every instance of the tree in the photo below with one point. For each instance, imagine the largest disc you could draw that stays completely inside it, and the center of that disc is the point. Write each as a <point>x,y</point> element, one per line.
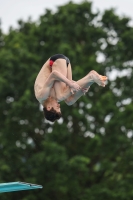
<point>88,153</point>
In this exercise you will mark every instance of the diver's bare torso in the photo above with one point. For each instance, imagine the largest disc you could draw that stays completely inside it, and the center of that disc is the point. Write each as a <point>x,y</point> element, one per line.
<point>40,79</point>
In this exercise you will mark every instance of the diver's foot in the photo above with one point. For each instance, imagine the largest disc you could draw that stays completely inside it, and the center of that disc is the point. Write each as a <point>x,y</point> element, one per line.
<point>97,78</point>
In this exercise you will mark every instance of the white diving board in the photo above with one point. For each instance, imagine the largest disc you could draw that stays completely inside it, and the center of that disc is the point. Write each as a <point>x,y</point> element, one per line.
<point>18,186</point>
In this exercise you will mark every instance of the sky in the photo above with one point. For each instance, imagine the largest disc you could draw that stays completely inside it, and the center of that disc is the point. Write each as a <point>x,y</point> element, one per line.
<point>13,10</point>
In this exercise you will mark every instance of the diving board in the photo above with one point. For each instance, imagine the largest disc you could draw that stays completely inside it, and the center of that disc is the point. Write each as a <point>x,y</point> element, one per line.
<point>17,186</point>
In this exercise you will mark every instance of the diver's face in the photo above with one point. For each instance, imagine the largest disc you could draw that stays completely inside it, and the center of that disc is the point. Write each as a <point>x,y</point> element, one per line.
<point>55,105</point>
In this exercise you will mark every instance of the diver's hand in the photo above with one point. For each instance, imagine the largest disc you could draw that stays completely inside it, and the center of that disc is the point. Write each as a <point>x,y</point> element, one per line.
<point>85,90</point>
<point>74,87</point>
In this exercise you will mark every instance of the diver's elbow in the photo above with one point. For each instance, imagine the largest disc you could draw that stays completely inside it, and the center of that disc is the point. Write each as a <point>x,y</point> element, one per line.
<point>69,103</point>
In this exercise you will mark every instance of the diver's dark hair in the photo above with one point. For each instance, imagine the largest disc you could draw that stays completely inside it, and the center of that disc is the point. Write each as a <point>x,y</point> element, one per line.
<point>51,115</point>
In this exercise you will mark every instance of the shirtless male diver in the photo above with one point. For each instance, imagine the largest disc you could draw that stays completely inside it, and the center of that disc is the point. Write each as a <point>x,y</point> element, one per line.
<point>54,84</point>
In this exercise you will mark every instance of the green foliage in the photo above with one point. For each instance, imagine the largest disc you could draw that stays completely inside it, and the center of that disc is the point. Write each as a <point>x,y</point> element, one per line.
<point>88,154</point>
